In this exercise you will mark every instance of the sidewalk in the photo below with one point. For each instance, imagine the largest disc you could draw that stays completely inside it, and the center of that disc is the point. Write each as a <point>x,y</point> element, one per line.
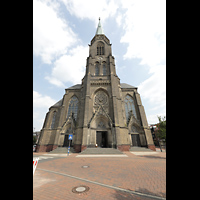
<point>140,177</point>
<point>39,153</point>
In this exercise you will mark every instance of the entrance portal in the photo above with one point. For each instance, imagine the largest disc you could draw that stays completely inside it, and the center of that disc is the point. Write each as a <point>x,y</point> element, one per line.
<point>135,140</point>
<point>101,139</point>
<point>66,141</point>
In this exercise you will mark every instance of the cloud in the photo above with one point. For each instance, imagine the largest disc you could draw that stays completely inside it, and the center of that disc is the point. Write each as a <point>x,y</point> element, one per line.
<point>69,67</point>
<point>91,9</point>
<point>153,119</point>
<point>154,88</point>
<point>41,103</point>
<point>145,31</point>
<point>52,35</point>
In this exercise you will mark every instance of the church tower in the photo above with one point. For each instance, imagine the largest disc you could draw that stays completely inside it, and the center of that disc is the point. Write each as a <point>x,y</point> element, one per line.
<point>103,114</point>
<point>100,112</point>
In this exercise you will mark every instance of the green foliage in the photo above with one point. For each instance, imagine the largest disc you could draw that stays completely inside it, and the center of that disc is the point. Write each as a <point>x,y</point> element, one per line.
<point>161,133</point>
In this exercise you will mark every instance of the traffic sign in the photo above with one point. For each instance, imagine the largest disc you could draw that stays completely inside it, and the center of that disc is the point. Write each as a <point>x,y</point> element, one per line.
<point>70,136</point>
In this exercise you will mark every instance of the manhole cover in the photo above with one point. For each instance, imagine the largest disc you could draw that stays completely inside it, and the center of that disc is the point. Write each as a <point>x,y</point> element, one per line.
<point>80,189</point>
<point>85,166</point>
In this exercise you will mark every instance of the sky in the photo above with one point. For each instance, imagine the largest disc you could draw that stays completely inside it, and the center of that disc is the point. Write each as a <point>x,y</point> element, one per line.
<point>62,30</point>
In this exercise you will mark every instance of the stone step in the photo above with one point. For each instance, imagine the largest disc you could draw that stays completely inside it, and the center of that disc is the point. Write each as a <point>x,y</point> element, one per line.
<point>62,150</point>
<point>101,151</point>
<point>140,149</point>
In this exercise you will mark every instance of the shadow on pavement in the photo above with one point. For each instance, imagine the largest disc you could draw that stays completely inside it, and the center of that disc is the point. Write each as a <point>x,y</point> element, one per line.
<point>120,195</point>
<point>158,157</point>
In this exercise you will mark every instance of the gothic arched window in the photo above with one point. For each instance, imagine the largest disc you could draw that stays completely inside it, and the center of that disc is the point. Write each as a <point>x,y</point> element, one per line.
<point>104,69</point>
<point>97,69</point>
<point>73,107</point>
<point>100,48</point>
<point>53,120</point>
<point>129,105</point>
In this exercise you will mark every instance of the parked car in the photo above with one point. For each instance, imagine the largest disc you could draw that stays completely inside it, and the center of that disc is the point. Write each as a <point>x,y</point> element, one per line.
<point>34,147</point>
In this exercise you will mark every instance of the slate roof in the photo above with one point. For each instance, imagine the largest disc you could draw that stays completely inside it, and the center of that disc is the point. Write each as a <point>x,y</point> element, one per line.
<point>77,86</point>
<point>125,85</point>
<point>59,103</point>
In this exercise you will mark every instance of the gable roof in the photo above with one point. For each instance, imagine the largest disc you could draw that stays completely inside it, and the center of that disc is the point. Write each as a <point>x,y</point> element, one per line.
<point>125,85</point>
<point>57,104</point>
<point>74,87</point>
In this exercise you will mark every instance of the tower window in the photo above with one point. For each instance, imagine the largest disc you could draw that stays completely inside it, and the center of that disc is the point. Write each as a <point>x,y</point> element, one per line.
<point>100,48</point>
<point>104,69</point>
<point>97,69</point>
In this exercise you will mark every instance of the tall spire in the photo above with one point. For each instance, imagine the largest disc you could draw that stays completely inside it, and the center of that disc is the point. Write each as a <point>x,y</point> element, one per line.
<point>99,29</point>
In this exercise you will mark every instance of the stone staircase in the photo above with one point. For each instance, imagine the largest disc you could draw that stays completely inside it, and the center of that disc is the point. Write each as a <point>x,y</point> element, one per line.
<point>101,151</point>
<point>140,149</point>
<point>62,150</point>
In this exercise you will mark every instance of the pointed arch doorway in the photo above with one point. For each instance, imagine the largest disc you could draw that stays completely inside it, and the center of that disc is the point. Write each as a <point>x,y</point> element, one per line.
<point>102,139</point>
<point>101,135</point>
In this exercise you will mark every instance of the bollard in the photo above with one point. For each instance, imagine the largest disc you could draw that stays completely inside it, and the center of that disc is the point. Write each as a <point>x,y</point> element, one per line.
<point>35,162</point>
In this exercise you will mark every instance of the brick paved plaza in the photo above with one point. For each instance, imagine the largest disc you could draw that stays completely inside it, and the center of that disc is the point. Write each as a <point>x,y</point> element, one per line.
<point>136,176</point>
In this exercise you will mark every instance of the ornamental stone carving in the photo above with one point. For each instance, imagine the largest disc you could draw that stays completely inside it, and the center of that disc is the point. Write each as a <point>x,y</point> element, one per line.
<point>101,98</point>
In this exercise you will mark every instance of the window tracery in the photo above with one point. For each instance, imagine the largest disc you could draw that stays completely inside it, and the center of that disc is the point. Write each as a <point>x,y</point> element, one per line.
<point>104,69</point>
<point>53,120</point>
<point>101,125</point>
<point>129,105</point>
<point>101,99</point>
<point>100,48</point>
<point>73,107</point>
<point>134,129</point>
<point>97,69</point>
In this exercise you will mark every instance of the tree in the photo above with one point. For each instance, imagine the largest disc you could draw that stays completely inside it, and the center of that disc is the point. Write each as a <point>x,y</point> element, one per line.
<point>161,132</point>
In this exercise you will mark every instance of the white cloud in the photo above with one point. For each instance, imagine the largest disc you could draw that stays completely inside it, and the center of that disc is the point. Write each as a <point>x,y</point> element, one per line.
<point>92,9</point>
<point>41,103</point>
<point>145,30</point>
<point>153,119</point>
<point>51,34</point>
<point>154,88</point>
<point>69,68</point>
<point>144,25</point>
<point>54,81</point>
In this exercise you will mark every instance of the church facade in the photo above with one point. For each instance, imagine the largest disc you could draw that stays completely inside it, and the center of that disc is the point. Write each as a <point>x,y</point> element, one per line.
<point>100,112</point>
